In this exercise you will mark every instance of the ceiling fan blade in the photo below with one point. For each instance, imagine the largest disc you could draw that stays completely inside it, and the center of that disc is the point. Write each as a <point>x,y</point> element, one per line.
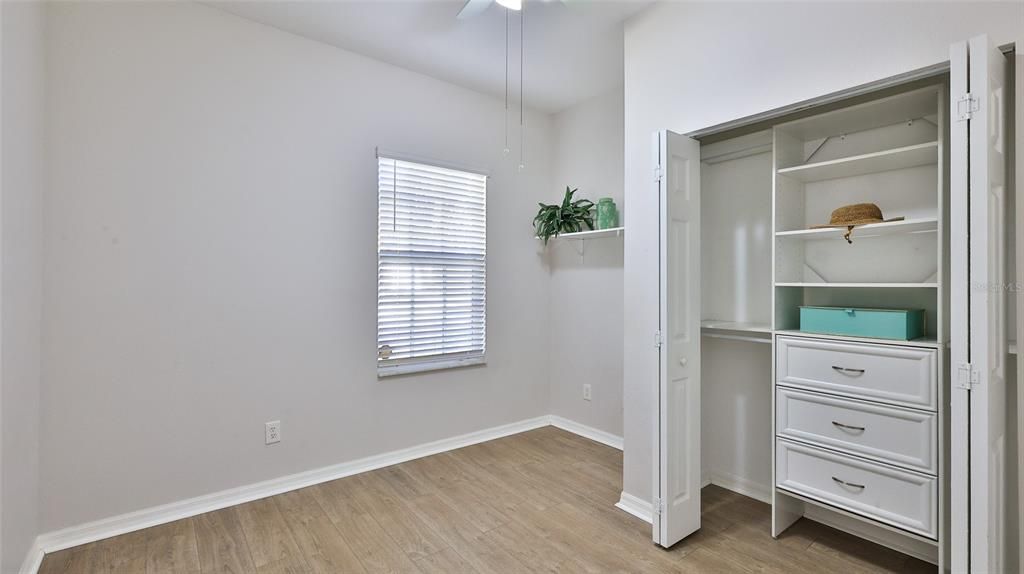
<point>472,8</point>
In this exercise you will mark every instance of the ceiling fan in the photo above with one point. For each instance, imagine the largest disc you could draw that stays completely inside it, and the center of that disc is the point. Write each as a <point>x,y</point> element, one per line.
<point>474,7</point>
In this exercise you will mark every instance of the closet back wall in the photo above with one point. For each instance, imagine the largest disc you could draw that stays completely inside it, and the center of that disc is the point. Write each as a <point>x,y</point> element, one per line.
<point>684,73</point>
<point>211,258</point>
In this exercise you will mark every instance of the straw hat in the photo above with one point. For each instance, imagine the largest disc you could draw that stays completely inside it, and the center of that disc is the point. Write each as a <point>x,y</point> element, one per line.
<point>850,216</point>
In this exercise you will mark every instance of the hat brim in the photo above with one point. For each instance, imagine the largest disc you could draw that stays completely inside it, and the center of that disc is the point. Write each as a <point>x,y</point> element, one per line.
<point>855,223</point>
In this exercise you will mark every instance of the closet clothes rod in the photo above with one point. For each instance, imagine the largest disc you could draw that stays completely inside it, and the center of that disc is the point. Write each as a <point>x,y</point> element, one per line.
<point>737,338</point>
<point>737,154</point>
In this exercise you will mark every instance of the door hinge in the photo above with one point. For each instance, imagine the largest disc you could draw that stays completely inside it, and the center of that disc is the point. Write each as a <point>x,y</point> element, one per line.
<point>657,339</point>
<point>966,105</point>
<point>658,173</point>
<point>967,376</point>
<point>658,506</point>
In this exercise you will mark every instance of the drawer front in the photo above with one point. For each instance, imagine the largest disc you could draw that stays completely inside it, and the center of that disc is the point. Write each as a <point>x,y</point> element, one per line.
<point>899,436</point>
<point>900,498</point>
<point>899,375</point>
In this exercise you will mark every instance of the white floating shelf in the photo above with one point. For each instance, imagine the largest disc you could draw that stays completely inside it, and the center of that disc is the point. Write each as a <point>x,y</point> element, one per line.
<point>898,158</point>
<point>595,234</point>
<point>921,225</point>
<point>873,285</point>
<point>713,325</point>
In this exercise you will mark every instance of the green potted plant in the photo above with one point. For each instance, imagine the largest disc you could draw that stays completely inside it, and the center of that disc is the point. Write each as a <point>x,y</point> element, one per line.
<point>568,217</point>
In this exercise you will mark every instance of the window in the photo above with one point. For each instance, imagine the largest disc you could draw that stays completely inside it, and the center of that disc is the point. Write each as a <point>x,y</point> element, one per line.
<point>431,267</point>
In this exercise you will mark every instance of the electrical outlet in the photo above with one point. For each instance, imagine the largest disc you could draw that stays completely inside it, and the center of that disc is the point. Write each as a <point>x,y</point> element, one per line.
<point>586,392</point>
<point>273,429</point>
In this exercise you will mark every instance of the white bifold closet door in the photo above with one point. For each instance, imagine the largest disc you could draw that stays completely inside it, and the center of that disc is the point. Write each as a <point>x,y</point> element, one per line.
<point>978,457</point>
<point>677,482</point>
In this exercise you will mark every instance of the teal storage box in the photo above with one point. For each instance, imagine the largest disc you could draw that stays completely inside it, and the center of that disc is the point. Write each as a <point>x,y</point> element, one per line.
<point>900,324</point>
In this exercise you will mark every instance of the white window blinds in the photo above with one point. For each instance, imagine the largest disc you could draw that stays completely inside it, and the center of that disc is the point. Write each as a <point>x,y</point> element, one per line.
<point>431,267</point>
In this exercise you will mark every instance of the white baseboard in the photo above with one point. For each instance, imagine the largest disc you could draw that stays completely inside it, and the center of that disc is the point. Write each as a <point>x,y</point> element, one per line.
<point>147,517</point>
<point>592,433</point>
<point>33,559</point>
<point>639,508</point>
<point>115,525</point>
<point>743,486</point>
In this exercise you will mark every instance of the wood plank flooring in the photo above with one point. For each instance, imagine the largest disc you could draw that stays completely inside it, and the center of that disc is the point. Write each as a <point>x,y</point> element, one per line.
<point>540,501</point>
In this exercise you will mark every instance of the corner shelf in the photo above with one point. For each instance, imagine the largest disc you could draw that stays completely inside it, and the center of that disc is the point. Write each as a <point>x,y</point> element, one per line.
<point>898,158</point>
<point>593,234</point>
<point>919,225</point>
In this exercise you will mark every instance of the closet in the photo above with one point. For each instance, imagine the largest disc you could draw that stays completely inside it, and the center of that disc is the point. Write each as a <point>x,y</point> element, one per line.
<point>866,434</point>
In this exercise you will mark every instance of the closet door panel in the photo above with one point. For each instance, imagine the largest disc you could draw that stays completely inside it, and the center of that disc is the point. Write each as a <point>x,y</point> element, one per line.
<point>677,508</point>
<point>987,198</point>
<point>904,437</point>
<point>978,189</point>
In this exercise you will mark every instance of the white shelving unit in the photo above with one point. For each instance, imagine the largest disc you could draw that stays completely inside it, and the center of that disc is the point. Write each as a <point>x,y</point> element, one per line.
<point>825,162</point>
<point>887,152</point>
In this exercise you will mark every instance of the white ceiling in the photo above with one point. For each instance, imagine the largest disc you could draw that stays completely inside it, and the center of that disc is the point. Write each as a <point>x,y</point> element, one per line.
<point>573,48</point>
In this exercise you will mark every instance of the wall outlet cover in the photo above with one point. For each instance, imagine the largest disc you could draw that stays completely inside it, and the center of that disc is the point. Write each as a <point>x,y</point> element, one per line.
<point>586,392</point>
<point>273,432</point>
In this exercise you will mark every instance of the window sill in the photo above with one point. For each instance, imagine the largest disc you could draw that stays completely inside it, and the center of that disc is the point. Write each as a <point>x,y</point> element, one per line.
<point>429,365</point>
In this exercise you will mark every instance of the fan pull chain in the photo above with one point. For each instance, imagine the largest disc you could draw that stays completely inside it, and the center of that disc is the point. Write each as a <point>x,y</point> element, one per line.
<point>522,60</point>
<point>507,149</point>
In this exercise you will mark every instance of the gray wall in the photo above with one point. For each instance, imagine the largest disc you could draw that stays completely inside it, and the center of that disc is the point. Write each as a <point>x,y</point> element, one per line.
<point>211,257</point>
<point>586,278</point>
<point>21,190</point>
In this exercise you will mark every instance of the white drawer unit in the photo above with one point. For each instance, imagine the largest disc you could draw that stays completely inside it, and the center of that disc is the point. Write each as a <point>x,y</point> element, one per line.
<point>899,498</point>
<point>887,373</point>
<point>900,436</point>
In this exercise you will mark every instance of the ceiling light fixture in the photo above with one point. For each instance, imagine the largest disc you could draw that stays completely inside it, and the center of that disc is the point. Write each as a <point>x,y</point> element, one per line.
<point>512,4</point>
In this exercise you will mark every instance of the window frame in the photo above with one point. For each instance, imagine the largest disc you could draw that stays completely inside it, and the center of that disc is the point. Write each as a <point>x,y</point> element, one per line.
<point>441,361</point>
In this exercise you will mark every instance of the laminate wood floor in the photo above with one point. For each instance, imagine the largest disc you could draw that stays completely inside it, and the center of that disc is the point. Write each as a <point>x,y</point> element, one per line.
<point>540,501</point>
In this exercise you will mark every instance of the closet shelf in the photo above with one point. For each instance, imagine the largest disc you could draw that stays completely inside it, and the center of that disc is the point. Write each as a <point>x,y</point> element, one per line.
<point>881,285</point>
<point>919,225</point>
<point>713,325</point>
<point>736,331</point>
<point>594,234</point>
<point>898,158</point>
<point>929,343</point>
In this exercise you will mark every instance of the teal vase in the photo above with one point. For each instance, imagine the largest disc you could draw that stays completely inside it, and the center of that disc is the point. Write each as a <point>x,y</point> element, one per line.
<point>607,214</point>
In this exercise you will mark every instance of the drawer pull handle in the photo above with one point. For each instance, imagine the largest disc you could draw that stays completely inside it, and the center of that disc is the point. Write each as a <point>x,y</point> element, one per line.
<point>846,370</point>
<point>850,484</point>
<point>848,427</point>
